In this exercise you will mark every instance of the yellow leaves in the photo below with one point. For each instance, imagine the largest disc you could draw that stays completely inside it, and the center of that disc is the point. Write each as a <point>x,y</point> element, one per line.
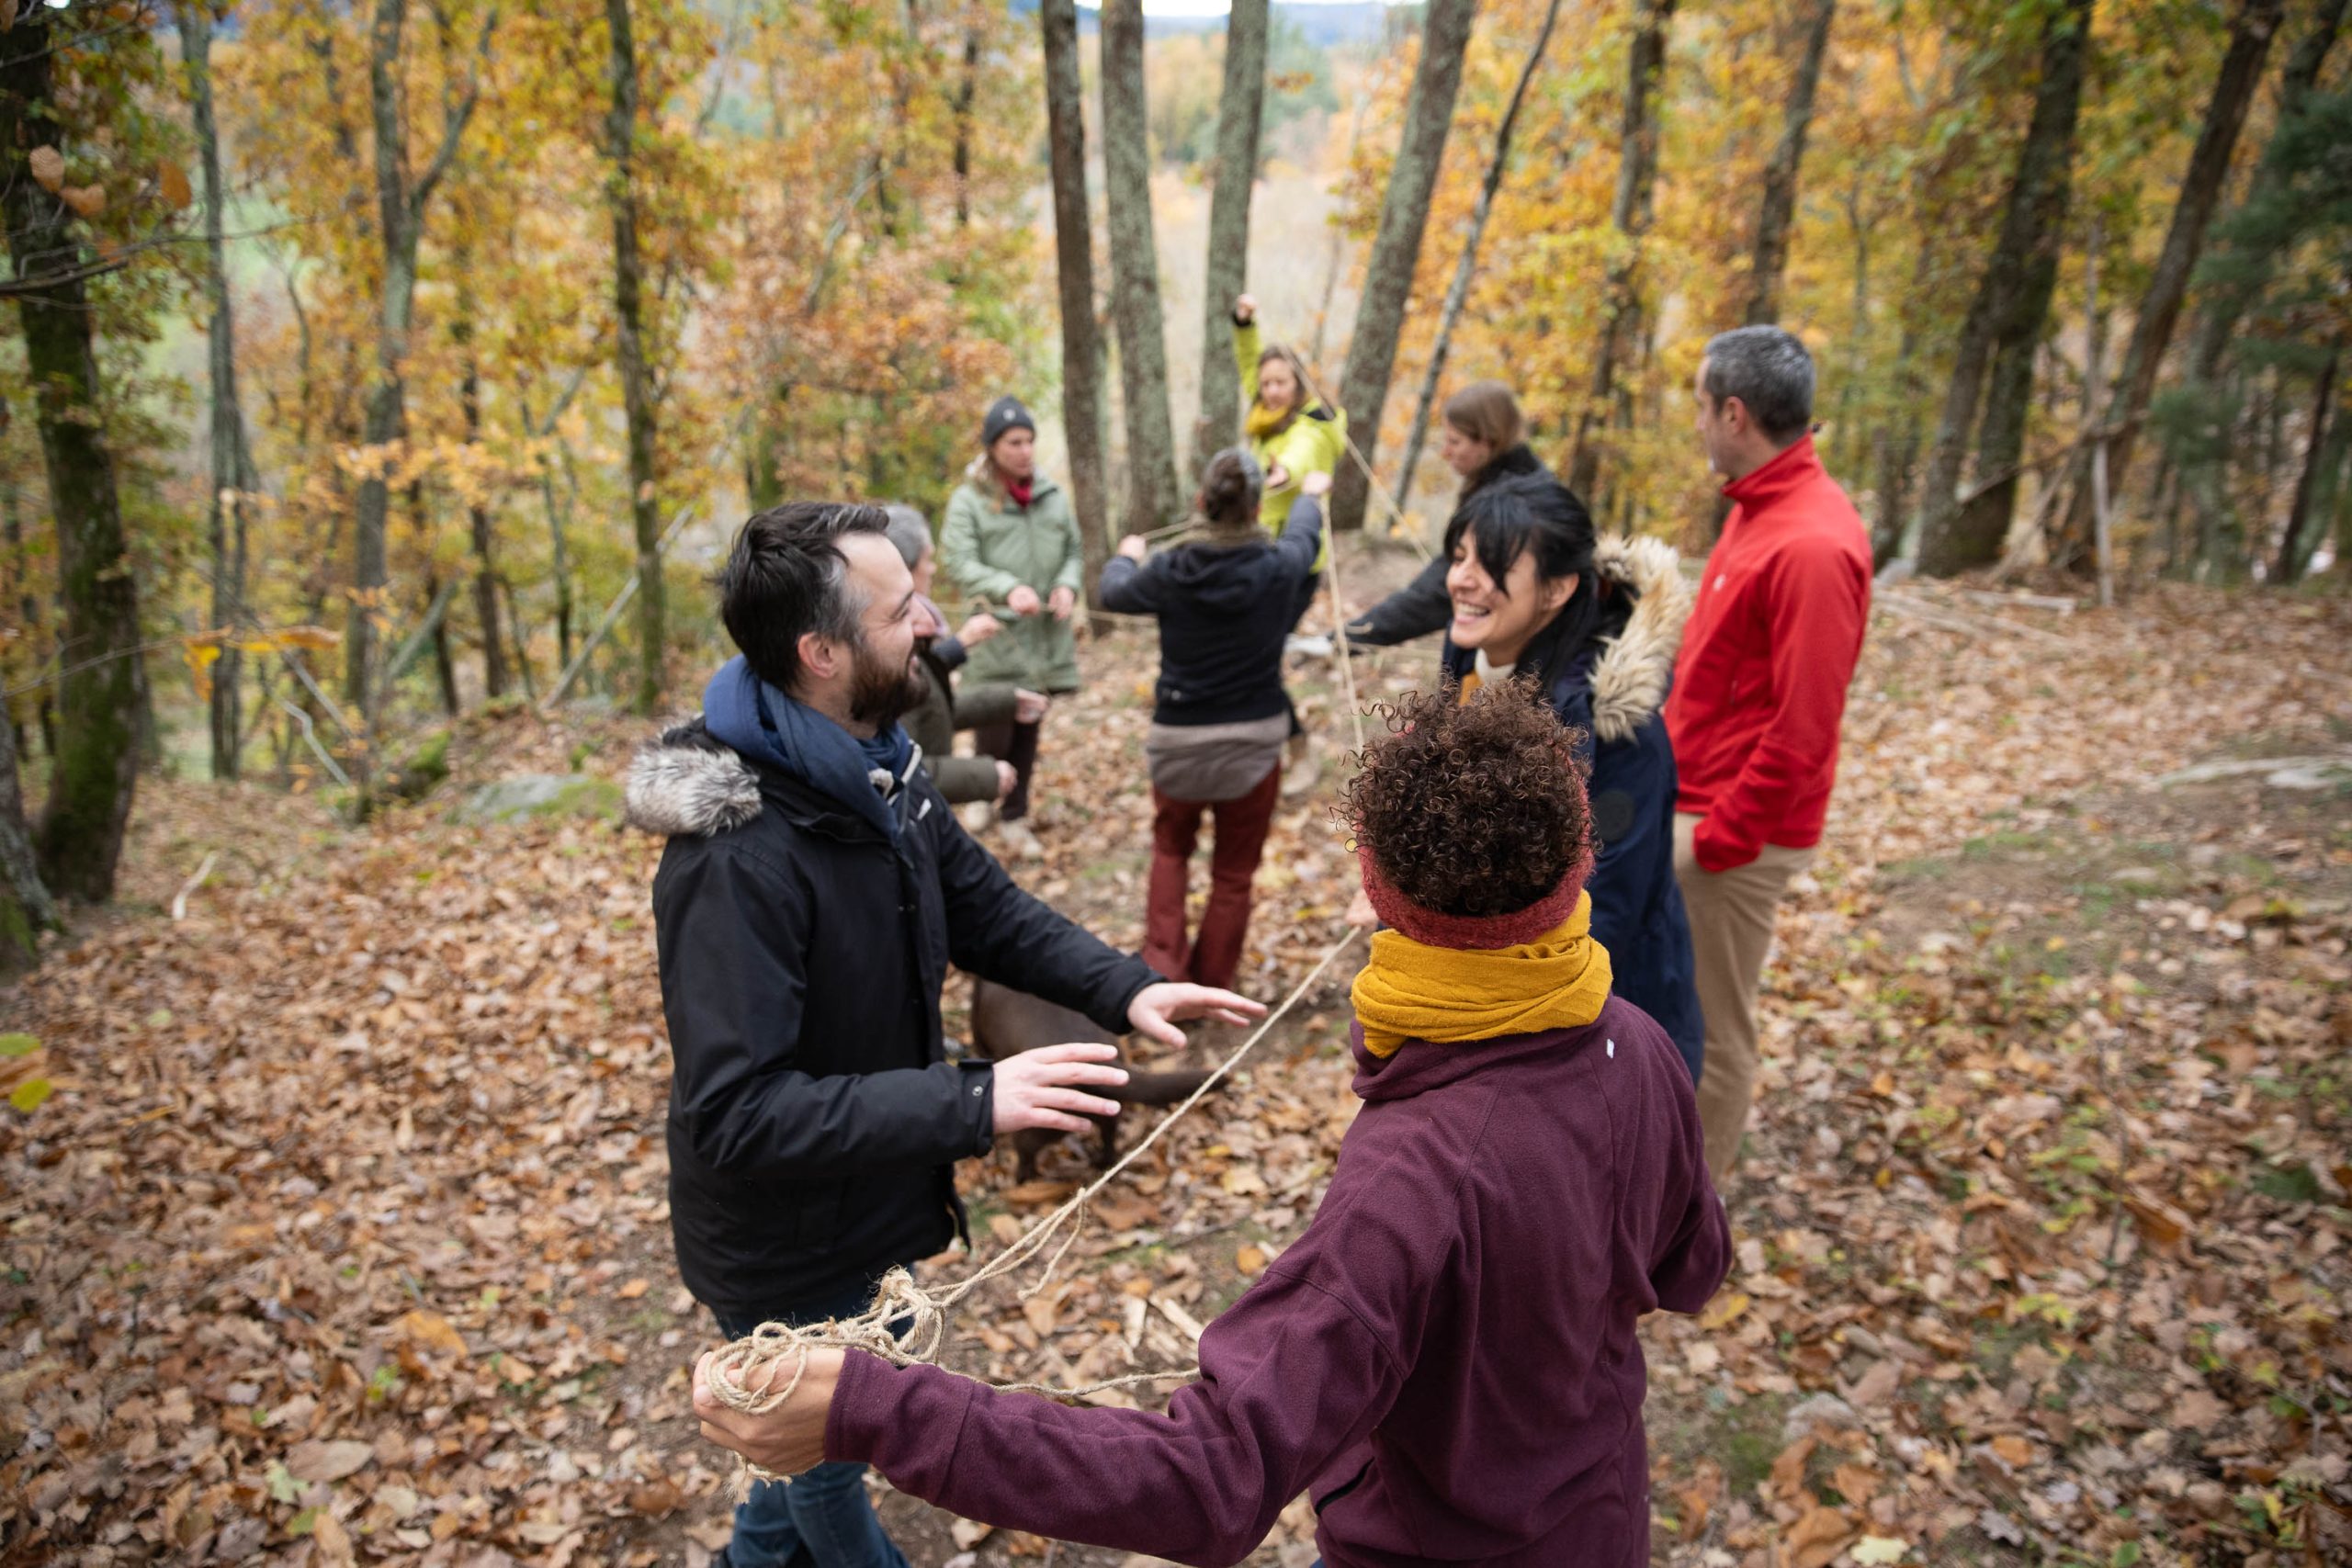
<point>1876,1550</point>
<point>1250,1261</point>
<point>171,184</point>
<point>22,1061</point>
<point>1723,1310</point>
<point>2013,1451</point>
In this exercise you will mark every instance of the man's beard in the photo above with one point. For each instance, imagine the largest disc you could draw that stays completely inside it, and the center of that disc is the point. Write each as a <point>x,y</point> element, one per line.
<point>879,692</point>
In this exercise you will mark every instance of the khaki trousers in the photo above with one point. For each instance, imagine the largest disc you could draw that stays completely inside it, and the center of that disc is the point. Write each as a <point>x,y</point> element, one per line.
<point>1730,932</point>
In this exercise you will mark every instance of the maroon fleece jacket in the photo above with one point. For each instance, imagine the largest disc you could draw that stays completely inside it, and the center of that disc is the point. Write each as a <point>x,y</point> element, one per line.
<point>1446,1359</point>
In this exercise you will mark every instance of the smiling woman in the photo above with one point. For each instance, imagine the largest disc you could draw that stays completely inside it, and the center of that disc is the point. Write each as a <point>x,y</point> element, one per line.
<point>1536,598</point>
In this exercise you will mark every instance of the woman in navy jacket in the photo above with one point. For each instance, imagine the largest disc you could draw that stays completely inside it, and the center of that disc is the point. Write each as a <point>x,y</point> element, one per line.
<point>1594,623</point>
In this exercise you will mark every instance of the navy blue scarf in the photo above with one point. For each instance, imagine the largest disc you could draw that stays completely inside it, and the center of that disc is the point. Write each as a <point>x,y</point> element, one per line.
<point>755,718</point>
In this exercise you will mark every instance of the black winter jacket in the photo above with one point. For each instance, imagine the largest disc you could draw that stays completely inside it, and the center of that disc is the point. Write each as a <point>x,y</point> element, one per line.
<point>814,1120</point>
<point>1224,613</point>
<point>1422,605</point>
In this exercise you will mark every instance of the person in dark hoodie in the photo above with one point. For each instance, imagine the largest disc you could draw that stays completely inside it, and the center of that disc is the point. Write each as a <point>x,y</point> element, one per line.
<point>1592,625</point>
<point>1482,438</point>
<point>814,890</point>
<point>1447,1361</point>
<point>1219,718</point>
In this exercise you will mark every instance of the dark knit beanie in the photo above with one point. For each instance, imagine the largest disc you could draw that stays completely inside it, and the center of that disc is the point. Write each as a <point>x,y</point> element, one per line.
<point>1005,413</point>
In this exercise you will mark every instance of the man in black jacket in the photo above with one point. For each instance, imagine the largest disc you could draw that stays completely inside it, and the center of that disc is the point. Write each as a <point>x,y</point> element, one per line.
<point>815,888</point>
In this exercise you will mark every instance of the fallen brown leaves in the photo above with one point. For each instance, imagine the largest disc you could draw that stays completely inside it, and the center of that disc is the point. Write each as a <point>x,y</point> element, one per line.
<point>341,1235</point>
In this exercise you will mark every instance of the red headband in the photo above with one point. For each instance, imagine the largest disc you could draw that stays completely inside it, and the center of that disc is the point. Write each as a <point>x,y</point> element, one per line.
<point>1483,931</point>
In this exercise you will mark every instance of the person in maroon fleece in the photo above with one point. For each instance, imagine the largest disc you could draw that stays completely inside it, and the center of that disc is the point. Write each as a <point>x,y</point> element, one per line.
<point>1447,1360</point>
<point>1759,691</point>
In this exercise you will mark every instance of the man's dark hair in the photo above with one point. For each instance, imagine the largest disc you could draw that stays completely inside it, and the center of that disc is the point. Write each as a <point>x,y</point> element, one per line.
<point>785,577</point>
<point>1770,371</point>
<point>1471,808</point>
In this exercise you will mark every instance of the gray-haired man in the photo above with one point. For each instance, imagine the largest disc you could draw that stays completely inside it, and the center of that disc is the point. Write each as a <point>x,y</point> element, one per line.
<point>1759,691</point>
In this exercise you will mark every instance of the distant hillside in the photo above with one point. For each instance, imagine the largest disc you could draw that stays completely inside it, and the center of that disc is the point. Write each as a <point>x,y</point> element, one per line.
<point>1325,27</point>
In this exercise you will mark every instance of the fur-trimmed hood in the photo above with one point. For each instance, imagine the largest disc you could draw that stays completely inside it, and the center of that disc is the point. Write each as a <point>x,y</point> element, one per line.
<point>685,782</point>
<point>1635,668</point>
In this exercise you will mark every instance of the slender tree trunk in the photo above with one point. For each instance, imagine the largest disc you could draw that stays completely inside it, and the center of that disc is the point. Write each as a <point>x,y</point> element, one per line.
<point>95,765</point>
<point>1396,245</point>
<point>2192,214</point>
<point>637,387</point>
<point>2296,82</point>
<point>966,91</point>
<point>477,518</point>
<point>1771,256</point>
<point>2031,227</point>
<point>1154,497</point>
<point>1074,269</point>
<point>1241,112</point>
<point>1637,184</point>
<point>230,465</point>
<point>386,419</point>
<point>1458,292</point>
<point>26,910</point>
<point>2292,555</point>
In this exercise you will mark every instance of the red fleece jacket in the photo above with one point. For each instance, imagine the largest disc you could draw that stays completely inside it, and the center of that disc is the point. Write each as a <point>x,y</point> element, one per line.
<point>1447,1360</point>
<point>1769,649</point>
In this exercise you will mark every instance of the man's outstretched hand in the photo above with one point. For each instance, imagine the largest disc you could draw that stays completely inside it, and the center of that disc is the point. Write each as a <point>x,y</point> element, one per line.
<point>1036,1087</point>
<point>788,1440</point>
<point>1156,1008</point>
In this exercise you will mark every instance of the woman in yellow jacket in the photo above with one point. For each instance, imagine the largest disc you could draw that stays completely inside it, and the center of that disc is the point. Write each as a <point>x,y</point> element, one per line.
<point>1292,432</point>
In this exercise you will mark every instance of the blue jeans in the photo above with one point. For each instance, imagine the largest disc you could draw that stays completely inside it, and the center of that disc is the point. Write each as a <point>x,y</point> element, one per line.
<point>821,1519</point>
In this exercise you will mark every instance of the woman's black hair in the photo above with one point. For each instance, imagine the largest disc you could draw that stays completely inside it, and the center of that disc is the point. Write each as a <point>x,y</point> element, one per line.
<point>1534,511</point>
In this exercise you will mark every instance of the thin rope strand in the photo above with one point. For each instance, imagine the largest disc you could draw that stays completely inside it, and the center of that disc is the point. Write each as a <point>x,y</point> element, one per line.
<point>900,1301</point>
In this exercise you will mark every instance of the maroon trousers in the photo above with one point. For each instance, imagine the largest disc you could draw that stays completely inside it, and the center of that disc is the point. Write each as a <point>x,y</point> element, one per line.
<point>1214,953</point>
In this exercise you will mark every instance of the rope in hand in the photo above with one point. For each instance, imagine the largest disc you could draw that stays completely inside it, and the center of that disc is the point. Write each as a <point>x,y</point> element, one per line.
<point>924,1312</point>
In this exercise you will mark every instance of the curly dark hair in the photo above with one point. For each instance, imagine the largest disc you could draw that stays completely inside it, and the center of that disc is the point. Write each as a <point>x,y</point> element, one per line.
<point>1471,808</point>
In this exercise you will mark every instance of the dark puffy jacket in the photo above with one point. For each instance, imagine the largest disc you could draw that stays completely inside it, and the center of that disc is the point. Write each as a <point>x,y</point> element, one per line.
<point>814,1120</point>
<point>1422,605</point>
<point>1613,688</point>
<point>1224,610</point>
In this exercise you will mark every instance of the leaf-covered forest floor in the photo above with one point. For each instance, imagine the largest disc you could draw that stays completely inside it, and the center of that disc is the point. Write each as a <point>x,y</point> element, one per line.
<point>342,1236</point>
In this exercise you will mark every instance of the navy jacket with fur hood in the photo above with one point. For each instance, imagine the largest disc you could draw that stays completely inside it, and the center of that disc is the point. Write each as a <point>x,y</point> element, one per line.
<point>814,1119</point>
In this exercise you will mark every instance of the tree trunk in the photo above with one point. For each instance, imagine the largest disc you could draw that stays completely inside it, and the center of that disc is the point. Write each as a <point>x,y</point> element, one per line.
<point>2032,227</point>
<point>25,907</point>
<point>965,92</point>
<point>1396,245</point>
<point>225,512</point>
<point>1074,268</point>
<point>1771,254</point>
<point>104,682</point>
<point>2192,213</point>
<point>477,518</point>
<point>636,389</point>
<point>1241,112</point>
<point>1636,184</point>
<point>387,416</point>
<point>2295,85</point>
<point>1154,497</point>
<point>2291,556</point>
<point>1458,292</point>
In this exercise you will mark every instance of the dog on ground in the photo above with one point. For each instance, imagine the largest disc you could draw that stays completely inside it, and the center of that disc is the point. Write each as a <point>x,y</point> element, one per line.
<point>1006,1022</point>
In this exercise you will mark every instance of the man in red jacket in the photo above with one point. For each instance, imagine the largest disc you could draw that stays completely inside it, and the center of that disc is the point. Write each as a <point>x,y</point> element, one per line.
<point>1447,1361</point>
<point>1759,691</point>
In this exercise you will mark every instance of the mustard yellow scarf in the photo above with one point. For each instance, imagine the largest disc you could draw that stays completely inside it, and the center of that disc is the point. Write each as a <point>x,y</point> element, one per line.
<point>1262,424</point>
<point>1449,995</point>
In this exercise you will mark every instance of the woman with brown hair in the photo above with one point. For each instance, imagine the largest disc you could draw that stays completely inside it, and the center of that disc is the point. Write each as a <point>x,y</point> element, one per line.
<point>1482,438</point>
<point>1226,599</point>
<point>1291,432</point>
